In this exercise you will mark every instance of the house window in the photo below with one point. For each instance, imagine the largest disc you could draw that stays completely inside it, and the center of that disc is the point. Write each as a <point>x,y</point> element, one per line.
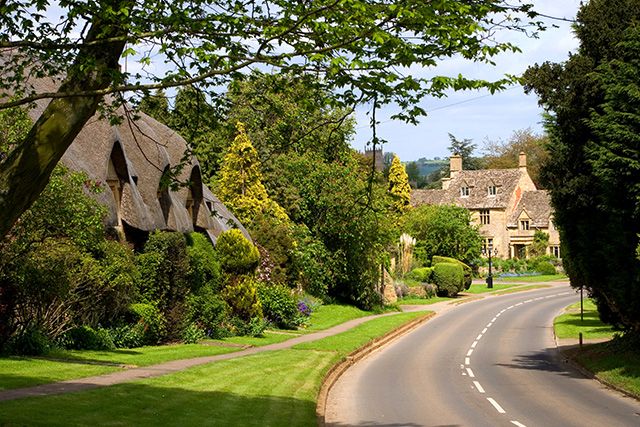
<point>485,218</point>
<point>492,190</point>
<point>555,251</point>
<point>524,224</point>
<point>464,191</point>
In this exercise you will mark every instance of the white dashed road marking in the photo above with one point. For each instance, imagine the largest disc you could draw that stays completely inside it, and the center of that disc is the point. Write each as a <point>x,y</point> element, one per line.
<point>470,352</point>
<point>495,405</point>
<point>479,336</point>
<point>478,386</point>
<point>467,361</point>
<point>470,372</point>
<point>518,424</point>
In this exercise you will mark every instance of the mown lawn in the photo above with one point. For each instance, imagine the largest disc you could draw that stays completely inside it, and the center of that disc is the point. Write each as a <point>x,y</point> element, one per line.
<point>482,288</point>
<point>520,289</point>
<point>422,301</point>
<point>568,325</point>
<point>60,365</point>
<point>529,279</point>
<point>269,389</point>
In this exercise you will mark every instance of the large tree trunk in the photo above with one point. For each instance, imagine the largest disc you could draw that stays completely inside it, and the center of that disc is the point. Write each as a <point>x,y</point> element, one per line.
<point>25,172</point>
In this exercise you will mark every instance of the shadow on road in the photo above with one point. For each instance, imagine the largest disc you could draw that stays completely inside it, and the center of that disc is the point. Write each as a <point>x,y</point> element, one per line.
<point>549,360</point>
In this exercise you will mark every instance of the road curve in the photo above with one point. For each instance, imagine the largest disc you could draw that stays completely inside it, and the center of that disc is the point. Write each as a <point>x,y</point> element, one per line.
<point>491,362</point>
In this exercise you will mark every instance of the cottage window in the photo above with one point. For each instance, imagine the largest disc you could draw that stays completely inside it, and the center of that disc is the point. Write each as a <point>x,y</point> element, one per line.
<point>464,192</point>
<point>492,190</point>
<point>524,224</point>
<point>487,245</point>
<point>485,217</point>
<point>555,251</point>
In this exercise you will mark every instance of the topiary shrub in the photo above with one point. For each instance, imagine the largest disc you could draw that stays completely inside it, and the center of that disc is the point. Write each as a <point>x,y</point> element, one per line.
<point>87,338</point>
<point>237,254</point>
<point>449,278</point>
<point>545,267</point>
<point>421,274</point>
<point>468,273</point>
<point>242,297</point>
<point>279,306</point>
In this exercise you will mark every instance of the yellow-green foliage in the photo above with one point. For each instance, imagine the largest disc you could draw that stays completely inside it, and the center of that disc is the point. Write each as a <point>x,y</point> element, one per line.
<point>242,297</point>
<point>239,185</point>
<point>399,185</point>
<point>236,254</point>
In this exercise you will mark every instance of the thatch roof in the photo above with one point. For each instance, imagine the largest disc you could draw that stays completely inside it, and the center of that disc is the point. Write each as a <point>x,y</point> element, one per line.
<point>137,153</point>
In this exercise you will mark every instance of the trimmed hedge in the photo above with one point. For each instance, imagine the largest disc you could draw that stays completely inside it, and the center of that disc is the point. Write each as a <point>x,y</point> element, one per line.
<point>423,274</point>
<point>468,273</point>
<point>545,267</point>
<point>449,278</point>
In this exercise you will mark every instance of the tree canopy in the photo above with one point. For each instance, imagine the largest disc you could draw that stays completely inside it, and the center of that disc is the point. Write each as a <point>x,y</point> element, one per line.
<point>592,169</point>
<point>361,49</point>
<point>399,186</point>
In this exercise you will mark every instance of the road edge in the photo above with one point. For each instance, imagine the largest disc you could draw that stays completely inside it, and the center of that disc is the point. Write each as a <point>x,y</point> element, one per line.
<point>336,371</point>
<point>563,350</point>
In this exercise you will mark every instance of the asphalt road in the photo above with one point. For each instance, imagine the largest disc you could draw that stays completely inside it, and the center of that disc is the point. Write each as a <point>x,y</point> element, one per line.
<point>488,363</point>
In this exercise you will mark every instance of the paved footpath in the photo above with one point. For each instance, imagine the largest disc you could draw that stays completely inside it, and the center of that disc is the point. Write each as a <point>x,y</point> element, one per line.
<point>127,375</point>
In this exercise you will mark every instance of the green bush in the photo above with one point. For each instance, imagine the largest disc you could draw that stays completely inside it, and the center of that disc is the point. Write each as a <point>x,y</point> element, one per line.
<point>253,327</point>
<point>312,264</point>
<point>87,338</point>
<point>421,274</point>
<point>545,267</point>
<point>208,310</point>
<point>279,306</point>
<point>276,238</point>
<point>151,320</point>
<point>32,341</point>
<point>468,273</point>
<point>449,278</point>
<point>203,263</point>
<point>242,296</point>
<point>237,254</point>
<point>192,334</point>
<point>128,336</point>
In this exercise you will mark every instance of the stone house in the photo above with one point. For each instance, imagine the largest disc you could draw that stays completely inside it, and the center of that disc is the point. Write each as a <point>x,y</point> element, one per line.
<point>132,162</point>
<point>505,203</point>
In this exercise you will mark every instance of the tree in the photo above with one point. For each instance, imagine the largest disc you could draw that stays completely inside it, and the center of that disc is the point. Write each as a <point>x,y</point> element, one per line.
<point>399,186</point>
<point>504,154</point>
<point>591,103</point>
<point>444,231</point>
<point>156,106</point>
<point>465,148</point>
<point>360,48</point>
<point>413,174</point>
<point>239,185</point>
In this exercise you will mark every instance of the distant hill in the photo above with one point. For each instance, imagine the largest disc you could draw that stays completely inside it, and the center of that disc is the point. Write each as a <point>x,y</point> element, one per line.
<point>428,166</point>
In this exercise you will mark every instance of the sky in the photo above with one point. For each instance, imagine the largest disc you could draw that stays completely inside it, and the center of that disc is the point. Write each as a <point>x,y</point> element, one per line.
<point>473,114</point>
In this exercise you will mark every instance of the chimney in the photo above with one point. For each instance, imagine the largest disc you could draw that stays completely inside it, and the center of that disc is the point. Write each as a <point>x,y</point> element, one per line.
<point>455,165</point>
<point>522,160</point>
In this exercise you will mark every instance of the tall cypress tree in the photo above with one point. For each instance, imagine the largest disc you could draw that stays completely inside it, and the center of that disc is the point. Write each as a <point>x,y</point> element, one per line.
<point>399,186</point>
<point>592,169</point>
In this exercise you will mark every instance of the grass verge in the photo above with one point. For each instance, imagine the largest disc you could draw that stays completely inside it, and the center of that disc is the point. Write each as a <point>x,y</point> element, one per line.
<point>422,301</point>
<point>268,389</point>
<point>568,325</point>
<point>520,289</point>
<point>482,288</point>
<point>61,365</point>
<point>530,279</point>
<point>615,362</point>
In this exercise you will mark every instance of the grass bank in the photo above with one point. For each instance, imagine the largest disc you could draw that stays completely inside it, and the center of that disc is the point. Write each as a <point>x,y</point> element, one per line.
<point>569,324</point>
<point>422,301</point>
<point>615,362</point>
<point>268,389</point>
<point>482,288</point>
<point>530,279</point>
<point>61,365</point>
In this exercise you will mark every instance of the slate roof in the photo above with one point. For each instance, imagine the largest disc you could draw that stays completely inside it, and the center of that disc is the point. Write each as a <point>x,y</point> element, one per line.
<point>537,205</point>
<point>478,182</point>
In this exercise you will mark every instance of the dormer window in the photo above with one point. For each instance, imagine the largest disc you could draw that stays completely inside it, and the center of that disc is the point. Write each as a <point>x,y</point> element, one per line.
<point>464,191</point>
<point>524,224</point>
<point>492,190</point>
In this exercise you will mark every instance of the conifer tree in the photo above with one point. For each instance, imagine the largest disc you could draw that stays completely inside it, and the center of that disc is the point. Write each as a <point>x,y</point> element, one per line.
<point>399,185</point>
<point>239,184</point>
